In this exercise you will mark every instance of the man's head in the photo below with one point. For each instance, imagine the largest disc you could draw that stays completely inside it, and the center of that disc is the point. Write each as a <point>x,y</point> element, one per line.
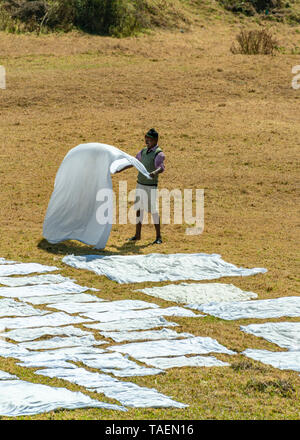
<point>151,138</point>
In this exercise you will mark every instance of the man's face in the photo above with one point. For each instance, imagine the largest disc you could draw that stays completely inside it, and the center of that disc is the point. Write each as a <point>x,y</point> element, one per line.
<point>150,142</point>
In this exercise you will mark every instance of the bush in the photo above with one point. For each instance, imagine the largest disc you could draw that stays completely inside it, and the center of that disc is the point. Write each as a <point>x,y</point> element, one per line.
<point>254,42</point>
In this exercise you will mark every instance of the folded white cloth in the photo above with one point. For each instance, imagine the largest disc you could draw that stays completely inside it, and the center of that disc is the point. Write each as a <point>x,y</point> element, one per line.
<point>158,267</point>
<point>284,334</point>
<point>75,205</point>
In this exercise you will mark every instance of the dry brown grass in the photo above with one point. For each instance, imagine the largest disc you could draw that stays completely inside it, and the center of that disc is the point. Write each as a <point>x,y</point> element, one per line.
<point>228,123</point>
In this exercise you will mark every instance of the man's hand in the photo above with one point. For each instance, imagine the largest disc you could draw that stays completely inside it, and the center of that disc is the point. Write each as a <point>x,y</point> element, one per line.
<point>154,173</point>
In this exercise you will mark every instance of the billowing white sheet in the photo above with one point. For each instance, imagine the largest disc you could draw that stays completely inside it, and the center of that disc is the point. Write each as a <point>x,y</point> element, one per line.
<point>139,314</point>
<point>20,398</point>
<point>30,281</point>
<point>24,269</point>
<point>108,306</point>
<point>159,267</point>
<point>151,335</point>
<point>183,361</point>
<point>74,207</point>
<point>195,345</point>
<point>29,334</point>
<point>47,289</point>
<point>10,307</point>
<point>132,324</point>
<point>51,319</point>
<point>129,394</point>
<point>284,334</point>
<point>284,360</point>
<point>260,309</point>
<point>198,293</point>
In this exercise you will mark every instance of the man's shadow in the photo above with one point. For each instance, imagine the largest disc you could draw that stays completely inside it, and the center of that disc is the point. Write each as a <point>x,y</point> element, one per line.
<point>71,248</point>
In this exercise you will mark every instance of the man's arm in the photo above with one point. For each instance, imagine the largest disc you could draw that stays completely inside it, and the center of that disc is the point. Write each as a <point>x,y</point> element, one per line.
<point>159,164</point>
<point>125,168</point>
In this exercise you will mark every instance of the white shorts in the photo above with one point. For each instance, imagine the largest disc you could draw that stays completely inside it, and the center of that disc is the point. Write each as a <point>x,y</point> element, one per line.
<point>146,198</point>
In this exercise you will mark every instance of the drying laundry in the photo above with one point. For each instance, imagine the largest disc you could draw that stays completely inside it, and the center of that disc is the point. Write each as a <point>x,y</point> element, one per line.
<point>82,194</point>
<point>6,376</point>
<point>150,349</point>
<point>145,335</point>
<point>30,281</point>
<point>158,267</point>
<point>58,342</point>
<point>128,394</point>
<point>108,306</point>
<point>10,307</point>
<point>198,293</point>
<point>265,308</point>
<point>63,297</point>
<point>139,314</point>
<point>183,361</point>
<point>20,398</point>
<point>125,325</point>
<point>51,319</point>
<point>30,334</point>
<point>47,289</point>
<point>4,261</point>
<point>284,334</point>
<point>284,360</point>
<point>24,269</point>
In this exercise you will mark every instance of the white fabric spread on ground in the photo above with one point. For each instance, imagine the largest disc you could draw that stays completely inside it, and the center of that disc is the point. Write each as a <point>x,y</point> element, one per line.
<point>284,334</point>
<point>73,211</point>
<point>260,309</point>
<point>145,335</point>
<point>132,324</point>
<point>47,289</point>
<point>197,293</point>
<point>158,267</point>
<point>195,345</point>
<point>58,342</point>
<point>108,306</point>
<point>20,398</point>
<point>183,361</point>
<point>4,261</point>
<point>6,376</point>
<point>139,314</point>
<point>64,297</point>
<point>24,269</point>
<point>128,394</point>
<point>51,319</point>
<point>10,307</point>
<point>30,281</point>
<point>284,360</point>
<point>30,334</point>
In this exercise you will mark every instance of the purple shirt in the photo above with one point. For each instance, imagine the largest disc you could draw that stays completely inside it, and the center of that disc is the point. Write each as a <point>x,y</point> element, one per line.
<point>159,158</point>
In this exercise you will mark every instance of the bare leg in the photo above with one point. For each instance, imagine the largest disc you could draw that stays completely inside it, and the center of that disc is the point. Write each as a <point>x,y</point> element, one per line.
<point>156,221</point>
<point>138,227</point>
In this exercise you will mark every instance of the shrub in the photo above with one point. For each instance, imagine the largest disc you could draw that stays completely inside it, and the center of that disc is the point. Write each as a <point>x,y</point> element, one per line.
<point>254,42</point>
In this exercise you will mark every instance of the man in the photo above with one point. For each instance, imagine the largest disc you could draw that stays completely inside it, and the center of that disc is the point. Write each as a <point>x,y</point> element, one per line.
<point>152,158</point>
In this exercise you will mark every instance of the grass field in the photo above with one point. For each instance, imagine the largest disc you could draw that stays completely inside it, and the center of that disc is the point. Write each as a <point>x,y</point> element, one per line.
<point>228,124</point>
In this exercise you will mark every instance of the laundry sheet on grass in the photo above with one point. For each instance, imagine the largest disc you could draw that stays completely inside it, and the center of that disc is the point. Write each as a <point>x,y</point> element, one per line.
<point>59,342</point>
<point>10,307</point>
<point>4,261</point>
<point>29,281</point>
<point>24,269</point>
<point>150,349</point>
<point>107,306</point>
<point>145,335</point>
<point>128,325</point>
<point>127,393</point>
<point>62,298</point>
<point>81,205</point>
<point>284,360</point>
<point>30,334</point>
<point>159,267</point>
<point>21,398</point>
<point>50,319</point>
<point>284,334</point>
<point>184,361</point>
<point>139,314</point>
<point>259,309</point>
<point>47,289</point>
<point>198,293</point>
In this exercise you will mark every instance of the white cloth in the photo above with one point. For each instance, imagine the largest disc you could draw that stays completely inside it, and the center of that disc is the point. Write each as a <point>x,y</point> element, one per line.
<point>74,207</point>
<point>4,261</point>
<point>47,289</point>
<point>59,342</point>
<point>61,298</point>
<point>260,309</point>
<point>198,293</point>
<point>29,281</point>
<point>7,376</point>
<point>51,319</point>
<point>149,335</point>
<point>30,334</point>
<point>10,307</point>
<point>24,269</point>
<point>195,345</point>
<point>284,334</point>
<point>107,306</point>
<point>183,361</point>
<point>158,267</point>
<point>284,360</point>
<point>132,324</point>
<point>20,398</point>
